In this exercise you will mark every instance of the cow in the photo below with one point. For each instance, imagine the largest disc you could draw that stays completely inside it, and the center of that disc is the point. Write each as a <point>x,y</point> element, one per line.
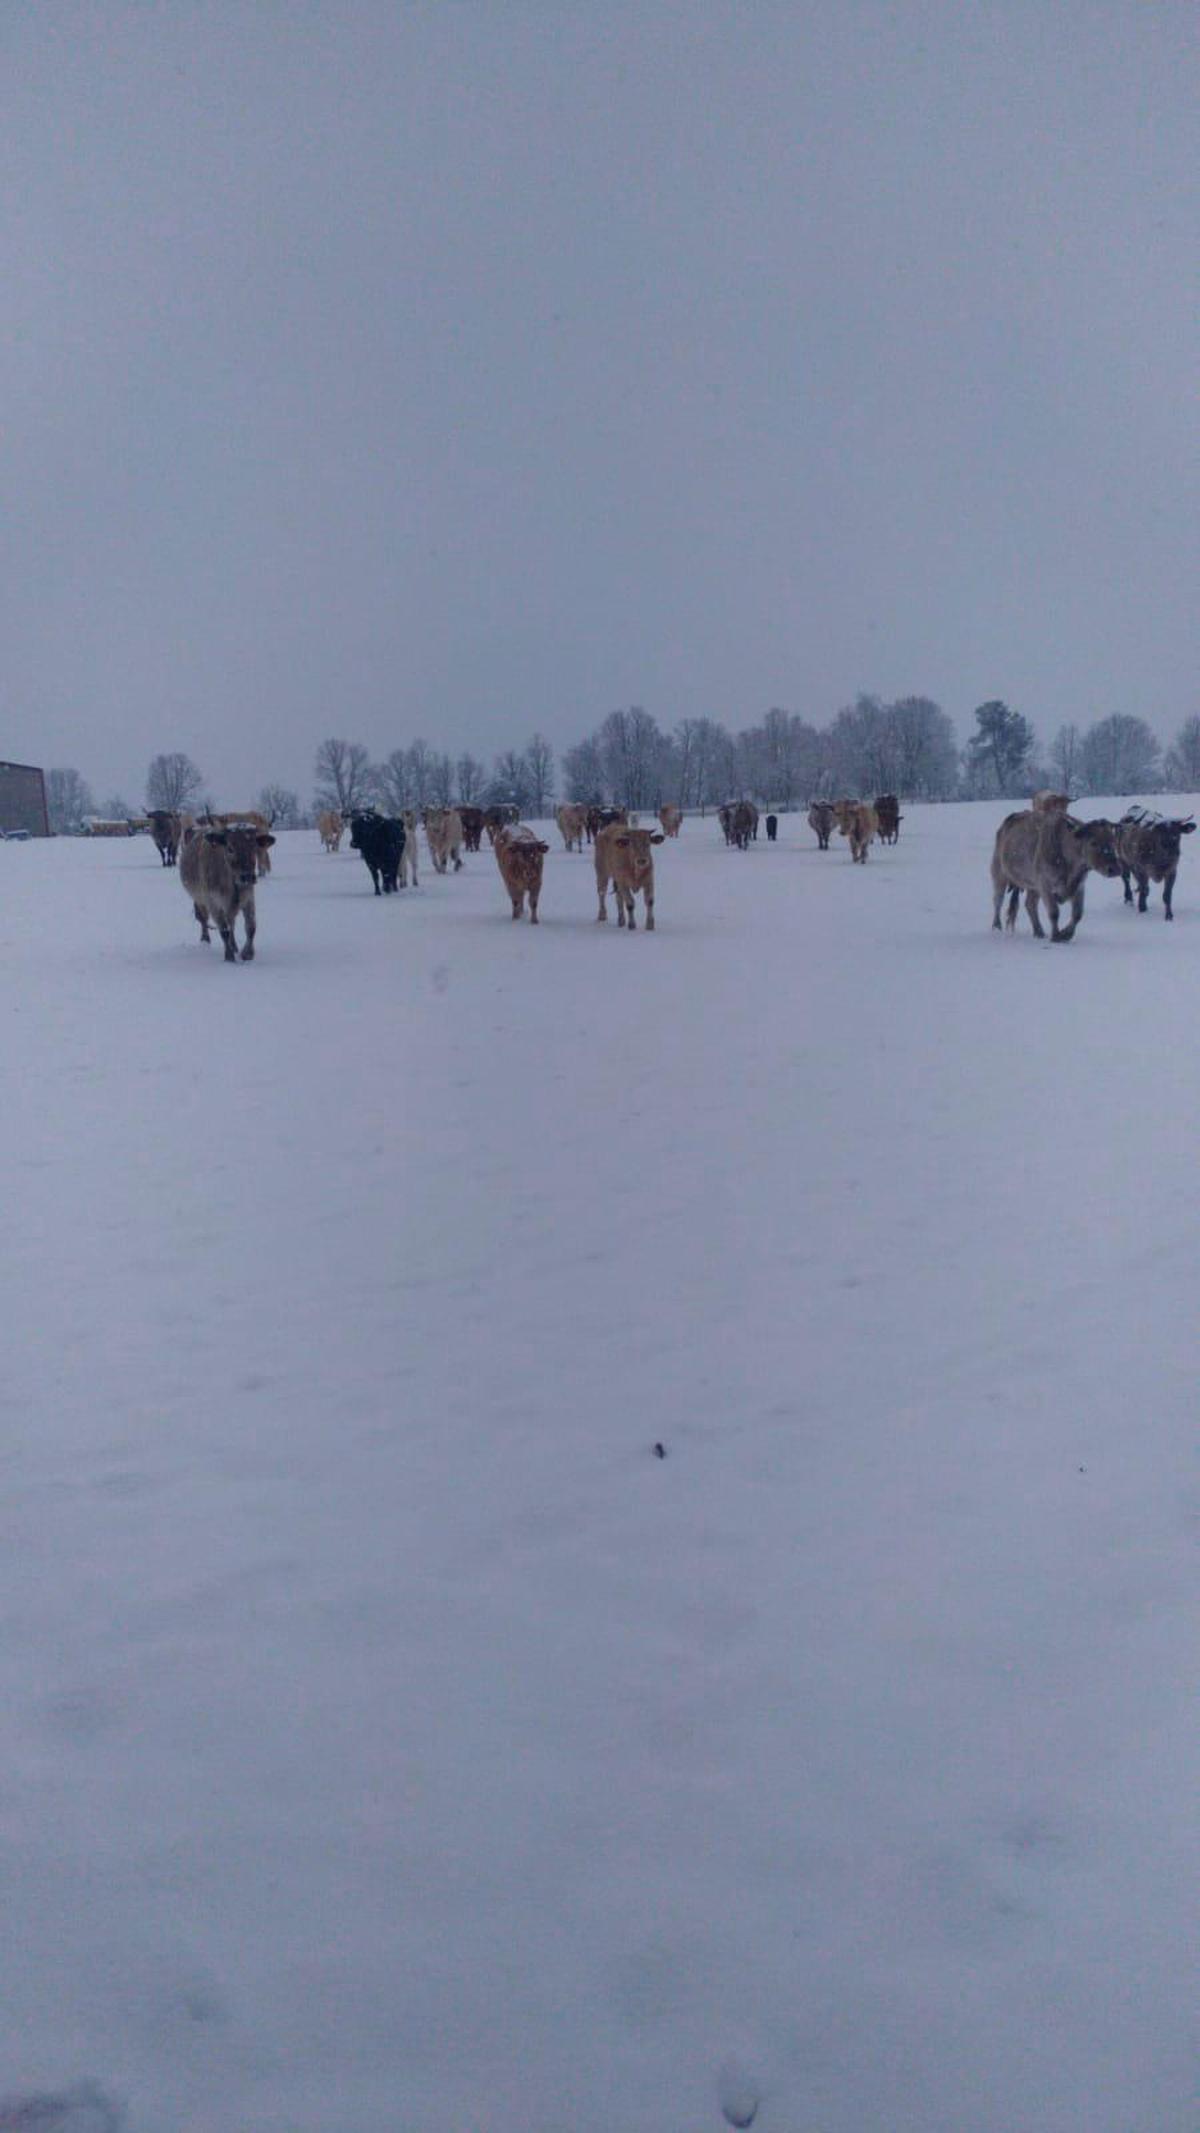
<point>889,818</point>
<point>498,818</point>
<point>743,824</point>
<point>599,818</point>
<point>624,858</point>
<point>249,818</point>
<point>408,857</point>
<point>472,826</point>
<point>118,826</point>
<point>381,841</point>
<point>1049,856</point>
<point>671,819</point>
<point>443,828</point>
<point>1050,803</point>
<point>1148,848</point>
<point>772,828</point>
<point>166,830</point>
<point>856,822</point>
<point>520,856</point>
<point>822,821</point>
<point>218,868</point>
<point>331,827</point>
<point>572,823</point>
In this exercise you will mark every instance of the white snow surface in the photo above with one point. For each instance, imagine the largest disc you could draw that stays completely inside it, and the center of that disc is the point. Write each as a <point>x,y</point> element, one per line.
<point>390,1739</point>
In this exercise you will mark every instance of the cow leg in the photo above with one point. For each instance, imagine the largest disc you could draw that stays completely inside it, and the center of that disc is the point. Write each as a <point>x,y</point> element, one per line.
<point>602,913</point>
<point>1143,882</point>
<point>202,915</point>
<point>1031,905</point>
<point>1128,890</point>
<point>649,912</point>
<point>226,927</point>
<point>1168,891</point>
<point>631,909</point>
<point>1067,933</point>
<point>249,922</point>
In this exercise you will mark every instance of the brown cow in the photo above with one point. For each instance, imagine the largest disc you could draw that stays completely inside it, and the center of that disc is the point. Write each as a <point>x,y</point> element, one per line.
<point>889,818</point>
<point>823,821</point>
<point>624,858</point>
<point>443,828</point>
<point>671,819</point>
<point>218,868</point>
<point>249,818</point>
<point>331,828</point>
<point>856,822</point>
<point>472,824</point>
<point>520,855</point>
<point>572,823</point>
<point>166,830</point>
<point>1049,856</point>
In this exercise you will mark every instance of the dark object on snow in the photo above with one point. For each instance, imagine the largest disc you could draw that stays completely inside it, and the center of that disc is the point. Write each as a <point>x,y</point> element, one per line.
<point>889,818</point>
<point>1148,848</point>
<point>772,826</point>
<point>381,842</point>
<point>83,2109</point>
<point>660,1451</point>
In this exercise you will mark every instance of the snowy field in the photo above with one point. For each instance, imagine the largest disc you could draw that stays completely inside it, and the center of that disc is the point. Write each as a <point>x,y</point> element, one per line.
<point>390,1740</point>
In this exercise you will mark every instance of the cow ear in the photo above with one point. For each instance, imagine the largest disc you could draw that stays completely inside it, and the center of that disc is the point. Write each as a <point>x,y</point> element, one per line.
<point>656,837</point>
<point>1186,828</point>
<point>263,841</point>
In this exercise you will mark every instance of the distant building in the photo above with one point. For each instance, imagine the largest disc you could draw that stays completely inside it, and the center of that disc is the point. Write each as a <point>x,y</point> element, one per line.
<point>23,799</point>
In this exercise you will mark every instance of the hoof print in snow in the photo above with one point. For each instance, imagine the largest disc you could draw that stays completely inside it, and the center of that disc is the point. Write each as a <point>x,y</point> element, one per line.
<point>738,2099</point>
<point>83,2109</point>
<point>660,1451</point>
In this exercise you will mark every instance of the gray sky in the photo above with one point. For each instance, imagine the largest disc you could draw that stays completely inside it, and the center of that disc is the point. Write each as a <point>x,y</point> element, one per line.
<point>463,368</point>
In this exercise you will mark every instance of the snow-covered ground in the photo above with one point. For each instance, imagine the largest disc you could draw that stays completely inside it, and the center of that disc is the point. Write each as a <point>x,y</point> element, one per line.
<point>389,1740</point>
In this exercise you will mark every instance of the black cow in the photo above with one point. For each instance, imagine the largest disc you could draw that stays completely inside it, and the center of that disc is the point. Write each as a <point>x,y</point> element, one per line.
<point>888,816</point>
<point>1148,848</point>
<point>381,842</point>
<point>772,826</point>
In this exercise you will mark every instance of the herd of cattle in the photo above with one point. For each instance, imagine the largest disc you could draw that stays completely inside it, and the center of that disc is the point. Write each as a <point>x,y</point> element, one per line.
<point>1045,853</point>
<point>1042,852</point>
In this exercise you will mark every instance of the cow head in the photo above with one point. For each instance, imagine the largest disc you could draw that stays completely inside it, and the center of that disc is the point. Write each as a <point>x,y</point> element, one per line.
<point>1099,842</point>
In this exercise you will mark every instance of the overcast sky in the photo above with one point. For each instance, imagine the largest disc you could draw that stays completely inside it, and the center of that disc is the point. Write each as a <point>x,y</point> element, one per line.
<point>459,369</point>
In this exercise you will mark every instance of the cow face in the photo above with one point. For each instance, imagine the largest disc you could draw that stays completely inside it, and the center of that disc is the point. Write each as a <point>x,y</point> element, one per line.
<point>243,845</point>
<point>1099,841</point>
<point>637,843</point>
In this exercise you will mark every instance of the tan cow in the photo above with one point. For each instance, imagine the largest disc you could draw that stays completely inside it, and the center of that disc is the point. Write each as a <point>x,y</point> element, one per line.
<point>624,858</point>
<point>858,822</point>
<point>249,818</point>
<point>671,819</point>
<point>408,857</point>
<point>572,822</point>
<point>1049,856</point>
<point>443,827</point>
<point>1050,803</point>
<point>331,828</point>
<point>218,867</point>
<point>520,856</point>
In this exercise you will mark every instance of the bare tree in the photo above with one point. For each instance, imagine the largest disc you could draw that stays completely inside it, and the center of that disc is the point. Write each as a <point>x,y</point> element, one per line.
<point>281,807</point>
<point>1119,755</point>
<point>68,799</point>
<point>583,772</point>
<point>117,810</point>
<point>510,782</point>
<point>420,774</point>
<point>392,782</point>
<point>173,781</point>
<point>539,760</point>
<point>470,777</point>
<point>1182,766</point>
<point>343,775</point>
<point>1064,757</point>
<point>441,781</point>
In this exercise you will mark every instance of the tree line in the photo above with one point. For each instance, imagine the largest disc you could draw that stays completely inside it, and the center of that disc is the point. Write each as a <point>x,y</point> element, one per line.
<point>629,760</point>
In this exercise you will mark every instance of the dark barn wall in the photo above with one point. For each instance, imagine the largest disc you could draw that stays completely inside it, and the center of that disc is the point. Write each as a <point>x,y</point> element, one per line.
<point>23,799</point>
